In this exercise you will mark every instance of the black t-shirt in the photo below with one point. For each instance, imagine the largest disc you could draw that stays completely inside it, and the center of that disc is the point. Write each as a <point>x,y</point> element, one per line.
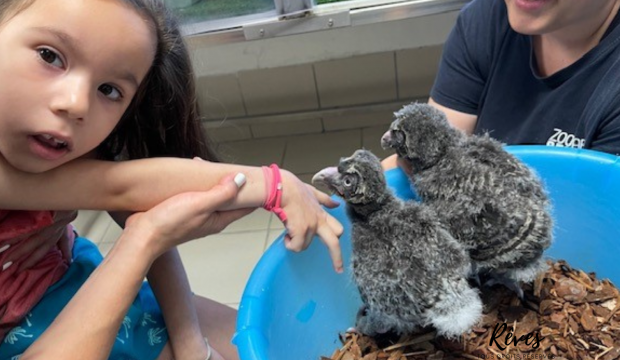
<point>489,70</point>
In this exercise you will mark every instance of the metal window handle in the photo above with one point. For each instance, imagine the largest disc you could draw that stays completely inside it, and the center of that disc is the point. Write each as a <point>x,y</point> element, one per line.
<point>293,8</point>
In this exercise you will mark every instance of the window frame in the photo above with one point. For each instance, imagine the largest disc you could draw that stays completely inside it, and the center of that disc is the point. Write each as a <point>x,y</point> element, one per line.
<point>348,13</point>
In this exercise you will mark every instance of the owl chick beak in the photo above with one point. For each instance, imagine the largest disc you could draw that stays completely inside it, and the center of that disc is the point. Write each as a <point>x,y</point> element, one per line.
<point>387,140</point>
<point>330,178</point>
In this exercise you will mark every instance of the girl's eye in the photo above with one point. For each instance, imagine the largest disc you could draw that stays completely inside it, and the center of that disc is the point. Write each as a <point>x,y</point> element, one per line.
<point>50,57</point>
<point>111,92</point>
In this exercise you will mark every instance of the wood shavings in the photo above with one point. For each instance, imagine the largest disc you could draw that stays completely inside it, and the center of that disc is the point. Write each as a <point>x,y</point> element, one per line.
<point>566,314</point>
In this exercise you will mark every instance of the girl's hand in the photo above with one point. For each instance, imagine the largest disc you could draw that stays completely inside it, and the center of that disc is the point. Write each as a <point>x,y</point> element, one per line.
<point>188,216</point>
<point>34,246</point>
<point>306,218</point>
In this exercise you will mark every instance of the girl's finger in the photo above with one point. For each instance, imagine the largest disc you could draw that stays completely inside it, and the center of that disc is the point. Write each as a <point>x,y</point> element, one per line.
<point>65,244</point>
<point>294,238</point>
<point>323,198</point>
<point>20,238</point>
<point>308,239</point>
<point>335,225</point>
<point>333,246</point>
<point>27,244</point>
<point>35,256</point>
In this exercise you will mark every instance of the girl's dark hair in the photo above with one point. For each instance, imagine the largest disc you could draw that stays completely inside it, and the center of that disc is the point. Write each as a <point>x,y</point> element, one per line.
<point>11,7</point>
<point>163,117</point>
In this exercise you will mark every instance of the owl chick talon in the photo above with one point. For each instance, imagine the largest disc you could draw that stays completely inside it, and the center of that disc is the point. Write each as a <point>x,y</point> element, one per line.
<point>508,283</point>
<point>476,278</point>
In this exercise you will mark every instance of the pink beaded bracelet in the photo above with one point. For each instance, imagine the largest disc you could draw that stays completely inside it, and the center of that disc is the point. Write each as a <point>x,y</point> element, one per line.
<point>273,186</point>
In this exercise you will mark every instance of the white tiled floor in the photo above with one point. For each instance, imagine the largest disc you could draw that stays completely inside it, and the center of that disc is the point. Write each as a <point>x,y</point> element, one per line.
<point>219,266</point>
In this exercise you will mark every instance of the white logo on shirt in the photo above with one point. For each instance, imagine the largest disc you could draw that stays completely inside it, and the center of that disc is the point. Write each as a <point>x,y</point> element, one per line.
<point>564,139</point>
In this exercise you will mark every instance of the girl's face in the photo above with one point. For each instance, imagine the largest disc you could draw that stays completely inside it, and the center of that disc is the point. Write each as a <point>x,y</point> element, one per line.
<point>69,70</point>
<point>538,17</point>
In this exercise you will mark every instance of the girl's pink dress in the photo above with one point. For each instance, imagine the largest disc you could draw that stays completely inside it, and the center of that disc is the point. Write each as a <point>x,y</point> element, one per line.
<point>20,291</point>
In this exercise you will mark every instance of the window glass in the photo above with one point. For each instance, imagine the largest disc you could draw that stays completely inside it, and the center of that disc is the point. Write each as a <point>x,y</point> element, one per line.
<point>361,3</point>
<point>193,11</point>
<point>212,15</point>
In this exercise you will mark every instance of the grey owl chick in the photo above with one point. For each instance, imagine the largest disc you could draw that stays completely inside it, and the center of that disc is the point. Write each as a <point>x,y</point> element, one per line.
<point>409,270</point>
<point>491,202</point>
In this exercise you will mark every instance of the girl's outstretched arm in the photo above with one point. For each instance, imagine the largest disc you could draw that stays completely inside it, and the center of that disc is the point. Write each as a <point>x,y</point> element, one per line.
<point>138,185</point>
<point>134,185</point>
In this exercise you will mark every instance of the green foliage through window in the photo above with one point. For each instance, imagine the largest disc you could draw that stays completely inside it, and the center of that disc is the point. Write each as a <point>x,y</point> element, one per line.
<point>319,2</point>
<point>192,11</point>
<point>220,9</point>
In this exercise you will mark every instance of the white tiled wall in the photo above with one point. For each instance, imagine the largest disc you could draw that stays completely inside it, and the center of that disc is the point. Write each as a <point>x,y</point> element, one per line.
<point>279,90</point>
<point>284,128</point>
<point>357,80</point>
<point>220,97</point>
<point>255,104</point>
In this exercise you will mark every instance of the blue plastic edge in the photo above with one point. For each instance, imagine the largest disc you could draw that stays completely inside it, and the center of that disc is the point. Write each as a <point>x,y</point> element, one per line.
<point>251,341</point>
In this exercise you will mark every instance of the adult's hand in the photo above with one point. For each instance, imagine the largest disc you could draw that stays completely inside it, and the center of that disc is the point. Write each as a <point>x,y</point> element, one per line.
<point>92,318</point>
<point>188,216</point>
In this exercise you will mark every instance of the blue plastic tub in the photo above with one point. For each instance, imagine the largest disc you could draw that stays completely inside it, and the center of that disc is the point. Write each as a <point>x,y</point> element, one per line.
<point>294,304</point>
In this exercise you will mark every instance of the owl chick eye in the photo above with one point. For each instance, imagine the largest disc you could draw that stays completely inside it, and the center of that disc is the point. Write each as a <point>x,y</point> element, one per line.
<point>399,136</point>
<point>347,181</point>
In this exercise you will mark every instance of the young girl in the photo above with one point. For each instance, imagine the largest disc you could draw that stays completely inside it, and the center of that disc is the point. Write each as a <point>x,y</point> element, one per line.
<point>111,80</point>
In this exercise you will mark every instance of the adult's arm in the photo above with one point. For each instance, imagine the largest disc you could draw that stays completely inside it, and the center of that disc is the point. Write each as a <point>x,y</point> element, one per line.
<point>460,120</point>
<point>172,290</point>
<point>87,326</point>
<point>466,59</point>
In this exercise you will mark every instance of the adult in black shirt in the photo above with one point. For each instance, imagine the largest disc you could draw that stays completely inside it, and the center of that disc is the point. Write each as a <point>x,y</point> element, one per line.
<point>534,72</point>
